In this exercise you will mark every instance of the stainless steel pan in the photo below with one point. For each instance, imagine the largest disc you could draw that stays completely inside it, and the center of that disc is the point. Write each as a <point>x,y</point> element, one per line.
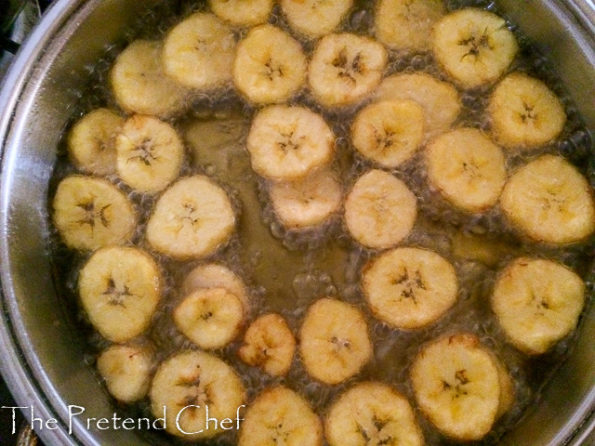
<point>43,355</point>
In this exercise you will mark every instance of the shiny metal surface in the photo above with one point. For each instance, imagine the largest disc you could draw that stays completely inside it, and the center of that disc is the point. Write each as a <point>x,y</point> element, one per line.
<point>46,367</point>
<point>42,353</point>
<point>9,10</point>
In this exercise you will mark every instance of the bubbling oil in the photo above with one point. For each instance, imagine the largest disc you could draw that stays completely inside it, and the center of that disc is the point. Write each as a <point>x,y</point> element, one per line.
<point>287,270</point>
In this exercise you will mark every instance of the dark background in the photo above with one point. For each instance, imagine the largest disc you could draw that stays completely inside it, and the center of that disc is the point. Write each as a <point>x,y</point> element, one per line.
<point>6,439</point>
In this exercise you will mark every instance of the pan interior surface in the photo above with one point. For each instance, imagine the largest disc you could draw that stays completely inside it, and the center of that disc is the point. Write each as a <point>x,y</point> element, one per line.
<point>49,364</point>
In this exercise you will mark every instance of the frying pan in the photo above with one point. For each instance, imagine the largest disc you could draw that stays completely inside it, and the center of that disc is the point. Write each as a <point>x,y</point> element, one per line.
<point>42,351</point>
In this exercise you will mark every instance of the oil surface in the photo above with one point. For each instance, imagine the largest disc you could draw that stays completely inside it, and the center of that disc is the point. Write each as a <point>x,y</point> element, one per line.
<point>287,270</point>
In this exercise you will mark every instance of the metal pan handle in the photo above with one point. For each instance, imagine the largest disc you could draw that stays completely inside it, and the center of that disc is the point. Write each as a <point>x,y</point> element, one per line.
<point>17,18</point>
